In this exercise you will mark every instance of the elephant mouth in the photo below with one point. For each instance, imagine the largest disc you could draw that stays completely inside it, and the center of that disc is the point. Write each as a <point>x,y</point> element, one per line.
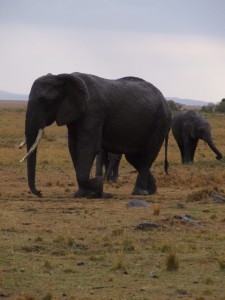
<point>33,147</point>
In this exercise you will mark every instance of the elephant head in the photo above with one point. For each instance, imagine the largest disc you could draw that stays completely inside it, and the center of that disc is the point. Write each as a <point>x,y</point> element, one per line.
<point>203,132</point>
<point>61,98</point>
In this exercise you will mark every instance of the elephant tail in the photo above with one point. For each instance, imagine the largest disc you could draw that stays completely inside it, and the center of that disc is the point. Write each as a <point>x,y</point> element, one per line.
<point>166,163</point>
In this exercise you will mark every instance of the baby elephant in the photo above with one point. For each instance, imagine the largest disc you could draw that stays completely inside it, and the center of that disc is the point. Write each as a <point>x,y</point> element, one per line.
<point>188,127</point>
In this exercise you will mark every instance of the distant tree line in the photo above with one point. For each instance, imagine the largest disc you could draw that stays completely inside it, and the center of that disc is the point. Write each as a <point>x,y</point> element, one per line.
<point>219,107</point>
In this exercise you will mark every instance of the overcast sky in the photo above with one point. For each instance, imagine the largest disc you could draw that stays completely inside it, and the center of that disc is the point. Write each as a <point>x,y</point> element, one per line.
<point>178,45</point>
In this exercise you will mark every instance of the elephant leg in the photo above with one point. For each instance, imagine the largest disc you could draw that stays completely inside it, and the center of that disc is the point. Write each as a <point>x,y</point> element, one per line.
<point>151,184</point>
<point>189,151</point>
<point>142,162</point>
<point>112,172</point>
<point>101,162</point>
<point>109,171</point>
<point>181,148</point>
<point>193,148</point>
<point>115,172</point>
<point>83,161</point>
<point>90,188</point>
<point>145,182</point>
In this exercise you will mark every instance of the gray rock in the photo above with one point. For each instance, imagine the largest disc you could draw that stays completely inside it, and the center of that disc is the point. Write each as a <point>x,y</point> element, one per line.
<point>153,275</point>
<point>137,203</point>
<point>218,198</point>
<point>147,226</point>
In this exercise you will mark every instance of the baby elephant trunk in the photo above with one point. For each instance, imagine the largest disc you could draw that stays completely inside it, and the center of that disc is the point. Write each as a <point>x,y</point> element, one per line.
<point>214,149</point>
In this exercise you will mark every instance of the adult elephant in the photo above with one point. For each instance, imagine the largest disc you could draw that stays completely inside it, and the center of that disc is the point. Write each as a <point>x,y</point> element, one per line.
<point>188,127</point>
<point>127,115</point>
<point>109,162</point>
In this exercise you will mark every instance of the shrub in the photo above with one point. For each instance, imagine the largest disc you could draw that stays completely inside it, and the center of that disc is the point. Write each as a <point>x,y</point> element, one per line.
<point>172,263</point>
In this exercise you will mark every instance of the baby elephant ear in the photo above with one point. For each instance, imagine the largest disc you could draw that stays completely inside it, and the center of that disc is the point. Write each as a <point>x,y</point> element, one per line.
<point>74,99</point>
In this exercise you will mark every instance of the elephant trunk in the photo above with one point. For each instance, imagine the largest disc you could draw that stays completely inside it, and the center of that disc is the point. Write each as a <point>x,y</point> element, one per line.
<point>31,160</point>
<point>214,149</point>
<point>31,172</point>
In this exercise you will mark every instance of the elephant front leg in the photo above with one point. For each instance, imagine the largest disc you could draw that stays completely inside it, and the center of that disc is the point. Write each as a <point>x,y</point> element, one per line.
<point>89,188</point>
<point>83,157</point>
<point>187,157</point>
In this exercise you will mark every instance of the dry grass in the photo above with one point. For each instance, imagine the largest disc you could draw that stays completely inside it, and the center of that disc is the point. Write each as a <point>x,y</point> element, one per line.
<point>58,247</point>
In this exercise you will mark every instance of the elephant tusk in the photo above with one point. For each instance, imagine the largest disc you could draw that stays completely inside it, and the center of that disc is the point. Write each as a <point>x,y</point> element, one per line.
<point>22,144</point>
<point>34,146</point>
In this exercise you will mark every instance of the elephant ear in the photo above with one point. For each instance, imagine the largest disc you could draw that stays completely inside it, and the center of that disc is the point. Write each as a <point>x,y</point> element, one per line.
<point>74,99</point>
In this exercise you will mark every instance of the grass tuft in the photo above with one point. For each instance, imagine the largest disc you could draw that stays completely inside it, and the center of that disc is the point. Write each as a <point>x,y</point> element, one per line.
<point>48,296</point>
<point>119,264</point>
<point>156,211</point>
<point>172,263</point>
<point>128,246</point>
<point>221,263</point>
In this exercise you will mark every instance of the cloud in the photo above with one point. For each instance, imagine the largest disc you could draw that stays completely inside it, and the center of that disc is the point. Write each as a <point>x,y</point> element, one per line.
<point>177,45</point>
<point>154,16</point>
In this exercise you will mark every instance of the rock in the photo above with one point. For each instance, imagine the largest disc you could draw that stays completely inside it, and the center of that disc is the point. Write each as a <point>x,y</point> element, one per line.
<point>188,218</point>
<point>185,219</point>
<point>147,226</point>
<point>153,275</point>
<point>218,198</point>
<point>137,203</point>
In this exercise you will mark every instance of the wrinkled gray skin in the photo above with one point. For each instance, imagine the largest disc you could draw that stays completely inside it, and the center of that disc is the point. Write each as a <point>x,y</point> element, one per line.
<point>188,127</point>
<point>110,163</point>
<point>127,115</point>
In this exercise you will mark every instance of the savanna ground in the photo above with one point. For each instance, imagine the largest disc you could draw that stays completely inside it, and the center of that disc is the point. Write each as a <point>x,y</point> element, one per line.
<point>58,247</point>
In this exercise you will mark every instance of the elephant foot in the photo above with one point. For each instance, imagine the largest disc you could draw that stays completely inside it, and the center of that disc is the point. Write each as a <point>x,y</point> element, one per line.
<point>187,162</point>
<point>139,191</point>
<point>82,193</point>
<point>151,185</point>
<point>152,191</point>
<point>91,188</point>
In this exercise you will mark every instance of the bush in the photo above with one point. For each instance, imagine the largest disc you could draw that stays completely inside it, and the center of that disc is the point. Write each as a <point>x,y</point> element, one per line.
<point>173,105</point>
<point>221,106</point>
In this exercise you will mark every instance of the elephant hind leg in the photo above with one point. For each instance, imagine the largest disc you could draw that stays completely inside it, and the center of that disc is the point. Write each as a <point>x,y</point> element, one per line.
<point>143,160</point>
<point>151,184</point>
<point>145,182</point>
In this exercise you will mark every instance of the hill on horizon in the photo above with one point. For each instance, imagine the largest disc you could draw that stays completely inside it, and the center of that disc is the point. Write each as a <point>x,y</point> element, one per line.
<point>12,96</point>
<point>188,101</point>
